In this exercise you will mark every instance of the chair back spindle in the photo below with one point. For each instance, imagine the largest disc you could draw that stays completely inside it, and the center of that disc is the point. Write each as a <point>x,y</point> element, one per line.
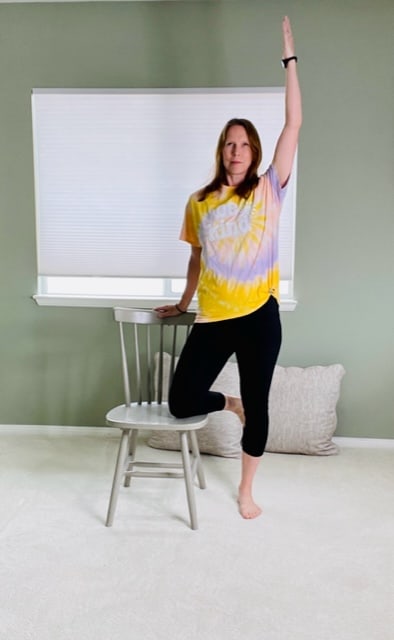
<point>149,366</point>
<point>125,371</point>
<point>160,366</point>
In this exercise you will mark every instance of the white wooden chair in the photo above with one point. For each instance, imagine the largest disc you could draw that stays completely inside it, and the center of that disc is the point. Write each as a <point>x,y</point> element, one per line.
<point>143,340</point>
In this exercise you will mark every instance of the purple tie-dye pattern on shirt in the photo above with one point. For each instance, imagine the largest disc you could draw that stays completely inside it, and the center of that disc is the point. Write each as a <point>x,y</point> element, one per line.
<point>253,247</point>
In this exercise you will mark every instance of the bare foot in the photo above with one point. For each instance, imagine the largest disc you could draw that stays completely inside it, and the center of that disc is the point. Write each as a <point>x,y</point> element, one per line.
<point>235,405</point>
<point>247,507</point>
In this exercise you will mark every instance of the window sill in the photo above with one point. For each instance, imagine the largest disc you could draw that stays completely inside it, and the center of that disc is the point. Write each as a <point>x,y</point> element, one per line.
<point>52,300</point>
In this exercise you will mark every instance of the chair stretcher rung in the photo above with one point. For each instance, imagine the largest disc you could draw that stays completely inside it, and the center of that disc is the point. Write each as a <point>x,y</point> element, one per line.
<point>161,465</point>
<point>154,474</point>
<point>194,466</point>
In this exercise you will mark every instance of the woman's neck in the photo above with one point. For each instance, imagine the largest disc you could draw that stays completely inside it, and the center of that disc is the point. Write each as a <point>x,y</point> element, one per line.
<point>234,180</point>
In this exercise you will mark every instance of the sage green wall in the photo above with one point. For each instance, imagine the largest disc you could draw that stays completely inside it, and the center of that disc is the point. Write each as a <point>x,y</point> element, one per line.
<point>57,365</point>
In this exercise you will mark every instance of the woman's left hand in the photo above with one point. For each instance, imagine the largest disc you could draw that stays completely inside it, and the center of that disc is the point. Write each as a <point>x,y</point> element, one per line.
<point>288,41</point>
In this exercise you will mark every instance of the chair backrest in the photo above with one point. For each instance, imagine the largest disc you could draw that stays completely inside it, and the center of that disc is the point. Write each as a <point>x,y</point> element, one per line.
<point>144,339</point>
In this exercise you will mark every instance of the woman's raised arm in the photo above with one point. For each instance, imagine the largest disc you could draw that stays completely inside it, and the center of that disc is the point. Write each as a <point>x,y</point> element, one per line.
<point>288,139</point>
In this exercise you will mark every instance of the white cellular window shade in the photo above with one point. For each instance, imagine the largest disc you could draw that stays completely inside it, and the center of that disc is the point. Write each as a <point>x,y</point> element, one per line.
<point>114,168</point>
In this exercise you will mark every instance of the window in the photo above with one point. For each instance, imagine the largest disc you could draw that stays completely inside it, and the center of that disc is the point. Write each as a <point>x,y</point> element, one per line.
<point>113,171</point>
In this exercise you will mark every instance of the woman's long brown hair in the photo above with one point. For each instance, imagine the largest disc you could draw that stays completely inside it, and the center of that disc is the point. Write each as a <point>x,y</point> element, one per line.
<point>245,188</point>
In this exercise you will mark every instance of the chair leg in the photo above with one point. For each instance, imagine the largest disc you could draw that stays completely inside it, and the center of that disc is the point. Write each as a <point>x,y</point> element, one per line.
<point>117,477</point>
<point>196,453</point>
<point>132,450</point>
<point>188,479</point>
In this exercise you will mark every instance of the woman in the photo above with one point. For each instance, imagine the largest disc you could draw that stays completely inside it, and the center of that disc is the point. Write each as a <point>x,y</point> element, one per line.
<point>232,226</point>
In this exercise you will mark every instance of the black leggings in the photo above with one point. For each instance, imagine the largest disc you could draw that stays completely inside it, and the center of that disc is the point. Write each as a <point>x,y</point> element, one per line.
<point>255,340</point>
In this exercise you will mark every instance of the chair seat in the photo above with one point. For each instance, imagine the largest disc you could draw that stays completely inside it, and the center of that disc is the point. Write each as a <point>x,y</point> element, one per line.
<point>151,416</point>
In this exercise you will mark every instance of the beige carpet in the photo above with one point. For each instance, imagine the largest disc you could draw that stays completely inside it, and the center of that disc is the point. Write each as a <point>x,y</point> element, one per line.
<point>318,565</point>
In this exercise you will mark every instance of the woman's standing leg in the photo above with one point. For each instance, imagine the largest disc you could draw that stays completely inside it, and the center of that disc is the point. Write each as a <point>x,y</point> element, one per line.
<point>258,345</point>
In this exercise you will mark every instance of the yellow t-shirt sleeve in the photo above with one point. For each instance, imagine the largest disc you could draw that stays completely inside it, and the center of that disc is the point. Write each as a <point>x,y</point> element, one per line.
<point>190,225</point>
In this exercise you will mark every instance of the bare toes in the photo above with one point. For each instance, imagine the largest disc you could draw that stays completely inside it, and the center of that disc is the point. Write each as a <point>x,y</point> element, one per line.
<point>248,508</point>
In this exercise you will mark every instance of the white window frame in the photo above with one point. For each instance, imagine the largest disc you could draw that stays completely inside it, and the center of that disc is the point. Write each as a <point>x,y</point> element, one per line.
<point>61,288</point>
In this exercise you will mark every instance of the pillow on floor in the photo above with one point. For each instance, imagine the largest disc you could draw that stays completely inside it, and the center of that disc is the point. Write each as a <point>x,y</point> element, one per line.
<point>302,409</point>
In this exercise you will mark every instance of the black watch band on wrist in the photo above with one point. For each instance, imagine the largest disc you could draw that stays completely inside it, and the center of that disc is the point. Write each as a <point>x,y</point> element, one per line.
<point>177,307</point>
<point>285,61</point>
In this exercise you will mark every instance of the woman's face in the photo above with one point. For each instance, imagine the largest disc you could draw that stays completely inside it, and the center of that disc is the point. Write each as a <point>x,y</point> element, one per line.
<point>236,154</point>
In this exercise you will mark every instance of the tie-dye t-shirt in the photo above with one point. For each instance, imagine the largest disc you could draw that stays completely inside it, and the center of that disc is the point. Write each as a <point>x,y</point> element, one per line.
<point>239,248</point>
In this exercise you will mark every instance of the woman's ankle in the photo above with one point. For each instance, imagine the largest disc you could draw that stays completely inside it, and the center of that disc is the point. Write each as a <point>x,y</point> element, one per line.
<point>234,404</point>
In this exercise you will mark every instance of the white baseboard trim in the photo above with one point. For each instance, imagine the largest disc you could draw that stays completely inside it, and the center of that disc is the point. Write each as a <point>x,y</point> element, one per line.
<point>375,443</point>
<point>59,430</point>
